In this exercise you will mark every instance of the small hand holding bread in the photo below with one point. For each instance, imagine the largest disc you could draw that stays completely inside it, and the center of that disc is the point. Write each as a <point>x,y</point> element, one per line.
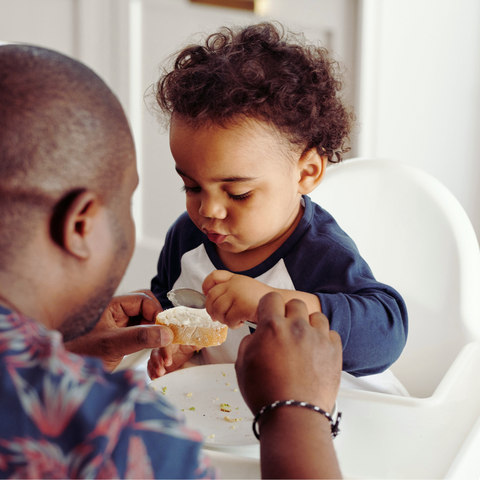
<point>193,326</point>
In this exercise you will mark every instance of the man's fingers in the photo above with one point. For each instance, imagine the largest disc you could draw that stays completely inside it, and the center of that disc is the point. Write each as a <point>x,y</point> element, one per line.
<point>133,304</point>
<point>242,347</point>
<point>270,305</point>
<point>320,321</point>
<point>296,310</point>
<point>132,339</point>
<point>336,339</point>
<point>149,293</point>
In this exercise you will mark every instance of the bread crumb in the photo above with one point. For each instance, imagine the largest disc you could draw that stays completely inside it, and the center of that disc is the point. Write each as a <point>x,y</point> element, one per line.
<point>190,394</point>
<point>211,436</point>
<point>192,409</point>
<point>164,390</point>
<point>227,384</point>
<point>232,427</point>
<point>225,407</point>
<point>223,373</point>
<point>231,420</point>
<point>235,389</point>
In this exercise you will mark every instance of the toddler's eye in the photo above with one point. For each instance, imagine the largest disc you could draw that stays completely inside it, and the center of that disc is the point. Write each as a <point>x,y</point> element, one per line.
<point>243,196</point>
<point>190,189</point>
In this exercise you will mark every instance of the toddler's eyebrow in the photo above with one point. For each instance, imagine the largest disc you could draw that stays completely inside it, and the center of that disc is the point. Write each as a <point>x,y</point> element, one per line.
<point>226,179</point>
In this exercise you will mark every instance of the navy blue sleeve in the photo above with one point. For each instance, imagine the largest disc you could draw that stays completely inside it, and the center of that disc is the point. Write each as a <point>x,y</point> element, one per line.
<point>181,237</point>
<point>161,282</point>
<point>370,317</point>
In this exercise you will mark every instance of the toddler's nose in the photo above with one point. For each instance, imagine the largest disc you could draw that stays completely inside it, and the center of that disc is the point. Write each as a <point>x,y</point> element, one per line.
<point>211,208</point>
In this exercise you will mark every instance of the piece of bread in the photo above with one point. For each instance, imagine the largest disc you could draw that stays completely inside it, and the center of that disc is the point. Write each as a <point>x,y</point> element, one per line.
<point>193,326</point>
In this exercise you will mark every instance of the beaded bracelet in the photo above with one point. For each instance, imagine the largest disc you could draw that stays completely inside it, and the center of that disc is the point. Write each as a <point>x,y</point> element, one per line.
<point>294,403</point>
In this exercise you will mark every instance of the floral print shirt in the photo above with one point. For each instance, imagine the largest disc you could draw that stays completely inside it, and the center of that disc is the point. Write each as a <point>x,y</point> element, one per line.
<point>64,416</point>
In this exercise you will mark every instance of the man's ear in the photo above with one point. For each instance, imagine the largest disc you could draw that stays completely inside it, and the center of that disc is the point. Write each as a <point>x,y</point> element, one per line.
<point>72,222</point>
<point>312,167</point>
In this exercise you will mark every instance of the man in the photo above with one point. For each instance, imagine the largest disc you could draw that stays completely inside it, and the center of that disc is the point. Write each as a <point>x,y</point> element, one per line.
<point>67,175</point>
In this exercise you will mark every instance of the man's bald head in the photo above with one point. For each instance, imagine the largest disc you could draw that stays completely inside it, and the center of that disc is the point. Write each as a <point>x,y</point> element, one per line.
<point>61,131</point>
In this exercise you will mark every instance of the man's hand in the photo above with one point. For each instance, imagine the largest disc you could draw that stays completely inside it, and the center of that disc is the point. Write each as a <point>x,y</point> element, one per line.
<point>126,326</point>
<point>290,356</point>
<point>295,356</point>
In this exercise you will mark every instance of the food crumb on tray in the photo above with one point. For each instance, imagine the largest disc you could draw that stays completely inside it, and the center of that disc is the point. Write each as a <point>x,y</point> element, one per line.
<point>225,407</point>
<point>232,420</point>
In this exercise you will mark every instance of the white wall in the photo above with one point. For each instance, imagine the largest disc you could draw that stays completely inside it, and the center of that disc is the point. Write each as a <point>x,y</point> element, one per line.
<point>88,30</point>
<point>420,90</point>
<point>49,23</point>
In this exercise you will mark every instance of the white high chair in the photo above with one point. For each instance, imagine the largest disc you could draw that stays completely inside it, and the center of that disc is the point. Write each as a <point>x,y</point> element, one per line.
<point>417,238</point>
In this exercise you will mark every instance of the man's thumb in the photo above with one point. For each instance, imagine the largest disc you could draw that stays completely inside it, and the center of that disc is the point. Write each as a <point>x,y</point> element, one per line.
<point>132,339</point>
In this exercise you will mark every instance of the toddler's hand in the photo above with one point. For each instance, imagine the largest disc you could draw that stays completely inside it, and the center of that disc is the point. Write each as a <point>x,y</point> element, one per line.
<point>168,359</point>
<point>231,298</point>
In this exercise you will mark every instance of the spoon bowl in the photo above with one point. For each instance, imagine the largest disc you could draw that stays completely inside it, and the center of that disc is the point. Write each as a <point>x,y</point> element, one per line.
<point>186,297</point>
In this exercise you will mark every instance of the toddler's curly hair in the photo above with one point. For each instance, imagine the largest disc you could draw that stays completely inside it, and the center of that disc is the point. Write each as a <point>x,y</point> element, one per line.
<point>261,72</point>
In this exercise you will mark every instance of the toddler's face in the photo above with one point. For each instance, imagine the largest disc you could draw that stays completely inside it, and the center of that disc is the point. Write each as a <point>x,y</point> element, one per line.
<point>241,189</point>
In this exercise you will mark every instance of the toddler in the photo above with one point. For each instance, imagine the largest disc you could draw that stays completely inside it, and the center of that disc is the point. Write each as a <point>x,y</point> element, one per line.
<point>255,115</point>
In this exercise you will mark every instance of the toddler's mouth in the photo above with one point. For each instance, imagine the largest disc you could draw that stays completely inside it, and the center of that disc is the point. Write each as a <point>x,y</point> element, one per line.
<point>216,237</point>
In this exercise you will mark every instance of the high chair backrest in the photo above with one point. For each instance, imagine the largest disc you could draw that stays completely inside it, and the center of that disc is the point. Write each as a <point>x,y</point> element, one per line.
<point>417,238</point>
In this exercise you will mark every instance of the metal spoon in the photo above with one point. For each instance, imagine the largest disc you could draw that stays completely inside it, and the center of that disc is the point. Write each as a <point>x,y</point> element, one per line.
<point>188,297</point>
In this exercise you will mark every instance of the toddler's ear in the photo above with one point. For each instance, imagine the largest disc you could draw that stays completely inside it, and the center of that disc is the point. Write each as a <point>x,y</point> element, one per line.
<point>311,168</point>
